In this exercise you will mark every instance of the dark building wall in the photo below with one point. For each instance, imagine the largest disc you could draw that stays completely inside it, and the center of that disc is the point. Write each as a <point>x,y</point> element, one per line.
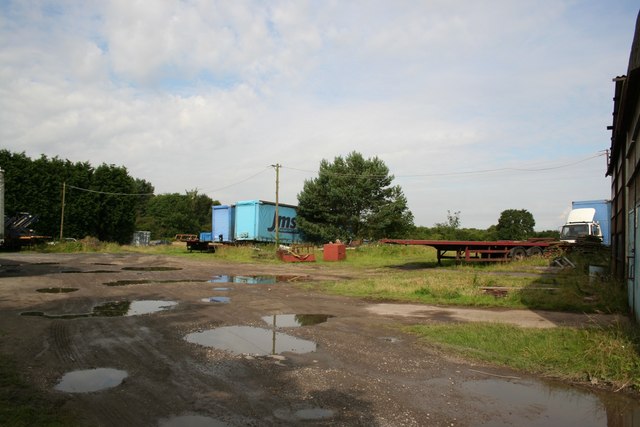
<point>624,169</point>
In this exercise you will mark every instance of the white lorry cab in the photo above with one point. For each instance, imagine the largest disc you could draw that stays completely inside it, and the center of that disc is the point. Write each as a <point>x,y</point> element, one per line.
<point>580,223</point>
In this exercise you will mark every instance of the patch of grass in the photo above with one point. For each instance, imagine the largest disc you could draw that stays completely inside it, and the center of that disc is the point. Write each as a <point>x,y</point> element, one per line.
<point>571,290</point>
<point>409,273</point>
<point>609,355</point>
<point>88,244</point>
<point>366,256</point>
<point>243,253</point>
<point>398,256</point>
<point>22,405</point>
<point>257,253</point>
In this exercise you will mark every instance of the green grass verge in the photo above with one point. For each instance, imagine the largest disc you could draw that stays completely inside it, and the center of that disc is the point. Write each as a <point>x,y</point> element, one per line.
<point>409,273</point>
<point>609,355</point>
<point>571,291</point>
<point>373,256</point>
<point>22,405</point>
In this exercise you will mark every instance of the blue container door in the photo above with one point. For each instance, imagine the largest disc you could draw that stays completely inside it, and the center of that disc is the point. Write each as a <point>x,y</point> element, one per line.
<point>246,220</point>
<point>223,223</point>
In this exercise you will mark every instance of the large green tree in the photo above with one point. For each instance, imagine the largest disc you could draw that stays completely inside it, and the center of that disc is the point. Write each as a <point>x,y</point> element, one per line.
<point>515,224</point>
<point>166,215</point>
<point>352,198</point>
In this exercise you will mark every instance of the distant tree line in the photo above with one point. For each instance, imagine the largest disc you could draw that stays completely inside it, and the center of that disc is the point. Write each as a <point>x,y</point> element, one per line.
<point>513,224</point>
<point>103,202</point>
<point>351,199</point>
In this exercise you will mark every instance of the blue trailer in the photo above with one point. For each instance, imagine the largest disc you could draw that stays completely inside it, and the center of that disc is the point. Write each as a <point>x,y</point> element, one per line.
<point>588,218</point>
<point>255,220</point>
<point>223,223</point>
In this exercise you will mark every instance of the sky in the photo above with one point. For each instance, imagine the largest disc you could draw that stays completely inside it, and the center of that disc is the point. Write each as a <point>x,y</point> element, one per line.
<point>475,107</point>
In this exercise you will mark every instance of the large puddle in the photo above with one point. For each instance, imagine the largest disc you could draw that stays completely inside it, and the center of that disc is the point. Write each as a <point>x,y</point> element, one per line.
<point>533,404</point>
<point>250,340</point>
<point>295,320</point>
<point>258,279</point>
<point>112,309</point>
<point>56,290</point>
<point>90,380</point>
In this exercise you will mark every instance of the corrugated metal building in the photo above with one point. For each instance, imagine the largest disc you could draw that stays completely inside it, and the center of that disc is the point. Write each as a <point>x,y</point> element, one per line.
<point>624,169</point>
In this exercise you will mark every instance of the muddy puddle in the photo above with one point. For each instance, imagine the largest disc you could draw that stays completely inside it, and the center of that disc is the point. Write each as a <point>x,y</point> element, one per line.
<point>305,414</point>
<point>56,290</point>
<point>222,300</point>
<point>192,421</point>
<point>295,320</point>
<point>258,279</point>
<point>250,340</point>
<point>149,306</point>
<point>534,404</point>
<point>150,281</point>
<point>151,268</point>
<point>112,309</point>
<point>87,271</point>
<point>89,380</point>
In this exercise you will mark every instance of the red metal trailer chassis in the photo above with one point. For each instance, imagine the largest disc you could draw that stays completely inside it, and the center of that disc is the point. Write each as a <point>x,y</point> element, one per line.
<point>470,251</point>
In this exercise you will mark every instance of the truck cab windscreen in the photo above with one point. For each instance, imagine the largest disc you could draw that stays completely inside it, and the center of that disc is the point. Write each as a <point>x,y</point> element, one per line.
<point>574,230</point>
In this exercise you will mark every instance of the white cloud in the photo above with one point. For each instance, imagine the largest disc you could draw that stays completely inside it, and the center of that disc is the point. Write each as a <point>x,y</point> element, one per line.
<point>204,94</point>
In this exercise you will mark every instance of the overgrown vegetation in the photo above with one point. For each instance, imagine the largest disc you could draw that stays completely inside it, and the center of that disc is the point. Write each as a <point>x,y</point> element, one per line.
<point>599,355</point>
<point>103,201</point>
<point>88,244</point>
<point>407,273</point>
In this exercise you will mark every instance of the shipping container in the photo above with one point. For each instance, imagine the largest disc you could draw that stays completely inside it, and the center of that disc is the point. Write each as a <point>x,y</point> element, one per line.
<point>223,221</point>
<point>255,220</point>
<point>206,236</point>
<point>141,238</point>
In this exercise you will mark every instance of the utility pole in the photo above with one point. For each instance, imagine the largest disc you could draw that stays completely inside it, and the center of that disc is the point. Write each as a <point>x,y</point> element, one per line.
<point>1,207</point>
<point>64,192</point>
<point>277,167</point>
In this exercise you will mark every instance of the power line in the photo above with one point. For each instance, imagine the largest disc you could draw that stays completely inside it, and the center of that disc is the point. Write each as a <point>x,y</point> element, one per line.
<point>107,192</point>
<point>239,182</point>
<point>479,171</point>
<point>439,174</point>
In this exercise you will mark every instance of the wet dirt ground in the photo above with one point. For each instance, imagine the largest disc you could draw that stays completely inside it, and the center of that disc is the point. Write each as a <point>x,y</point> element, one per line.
<point>193,342</point>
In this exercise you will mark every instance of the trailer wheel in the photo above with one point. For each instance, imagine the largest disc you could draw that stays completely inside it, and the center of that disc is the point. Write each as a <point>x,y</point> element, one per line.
<point>534,251</point>
<point>518,253</point>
